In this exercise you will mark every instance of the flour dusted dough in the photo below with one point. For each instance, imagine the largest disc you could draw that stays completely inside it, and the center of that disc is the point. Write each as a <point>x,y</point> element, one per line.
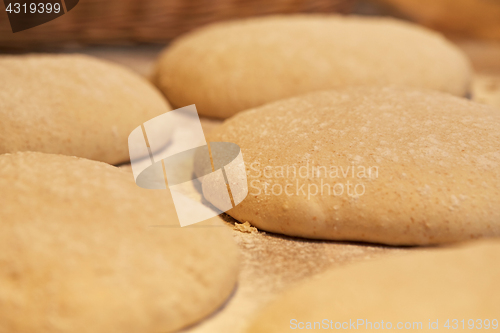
<point>229,67</point>
<point>426,166</point>
<point>83,249</point>
<point>437,285</point>
<point>72,105</point>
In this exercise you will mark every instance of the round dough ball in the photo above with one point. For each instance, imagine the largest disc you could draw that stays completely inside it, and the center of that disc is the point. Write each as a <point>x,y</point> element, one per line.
<point>464,18</point>
<point>83,249</point>
<point>389,165</point>
<point>72,105</point>
<point>415,289</point>
<point>230,67</point>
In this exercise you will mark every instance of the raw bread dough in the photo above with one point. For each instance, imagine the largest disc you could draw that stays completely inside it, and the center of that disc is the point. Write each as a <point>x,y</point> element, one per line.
<point>83,249</point>
<point>390,165</point>
<point>460,18</point>
<point>72,105</point>
<point>229,67</point>
<point>486,89</point>
<point>437,285</point>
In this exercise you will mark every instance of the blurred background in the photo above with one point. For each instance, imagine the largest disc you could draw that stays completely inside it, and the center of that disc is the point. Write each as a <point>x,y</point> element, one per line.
<point>132,32</point>
<point>122,22</point>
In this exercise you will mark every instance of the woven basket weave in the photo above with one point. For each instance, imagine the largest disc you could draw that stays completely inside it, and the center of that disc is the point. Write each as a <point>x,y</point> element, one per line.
<point>149,21</point>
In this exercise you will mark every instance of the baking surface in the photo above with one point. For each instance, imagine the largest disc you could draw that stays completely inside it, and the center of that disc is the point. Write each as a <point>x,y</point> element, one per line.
<point>271,263</point>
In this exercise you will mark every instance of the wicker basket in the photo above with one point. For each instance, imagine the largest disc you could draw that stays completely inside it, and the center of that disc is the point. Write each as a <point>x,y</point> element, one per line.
<point>149,21</point>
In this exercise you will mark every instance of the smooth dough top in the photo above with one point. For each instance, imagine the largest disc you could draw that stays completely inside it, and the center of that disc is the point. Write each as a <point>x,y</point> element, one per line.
<point>72,105</point>
<point>83,249</point>
<point>389,165</point>
<point>230,67</point>
<point>437,285</point>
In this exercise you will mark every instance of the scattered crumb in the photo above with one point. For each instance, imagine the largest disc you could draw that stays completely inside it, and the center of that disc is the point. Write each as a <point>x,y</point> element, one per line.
<point>245,227</point>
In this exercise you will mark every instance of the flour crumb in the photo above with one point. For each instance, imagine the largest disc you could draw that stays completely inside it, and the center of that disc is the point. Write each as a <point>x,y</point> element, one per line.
<point>245,227</point>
